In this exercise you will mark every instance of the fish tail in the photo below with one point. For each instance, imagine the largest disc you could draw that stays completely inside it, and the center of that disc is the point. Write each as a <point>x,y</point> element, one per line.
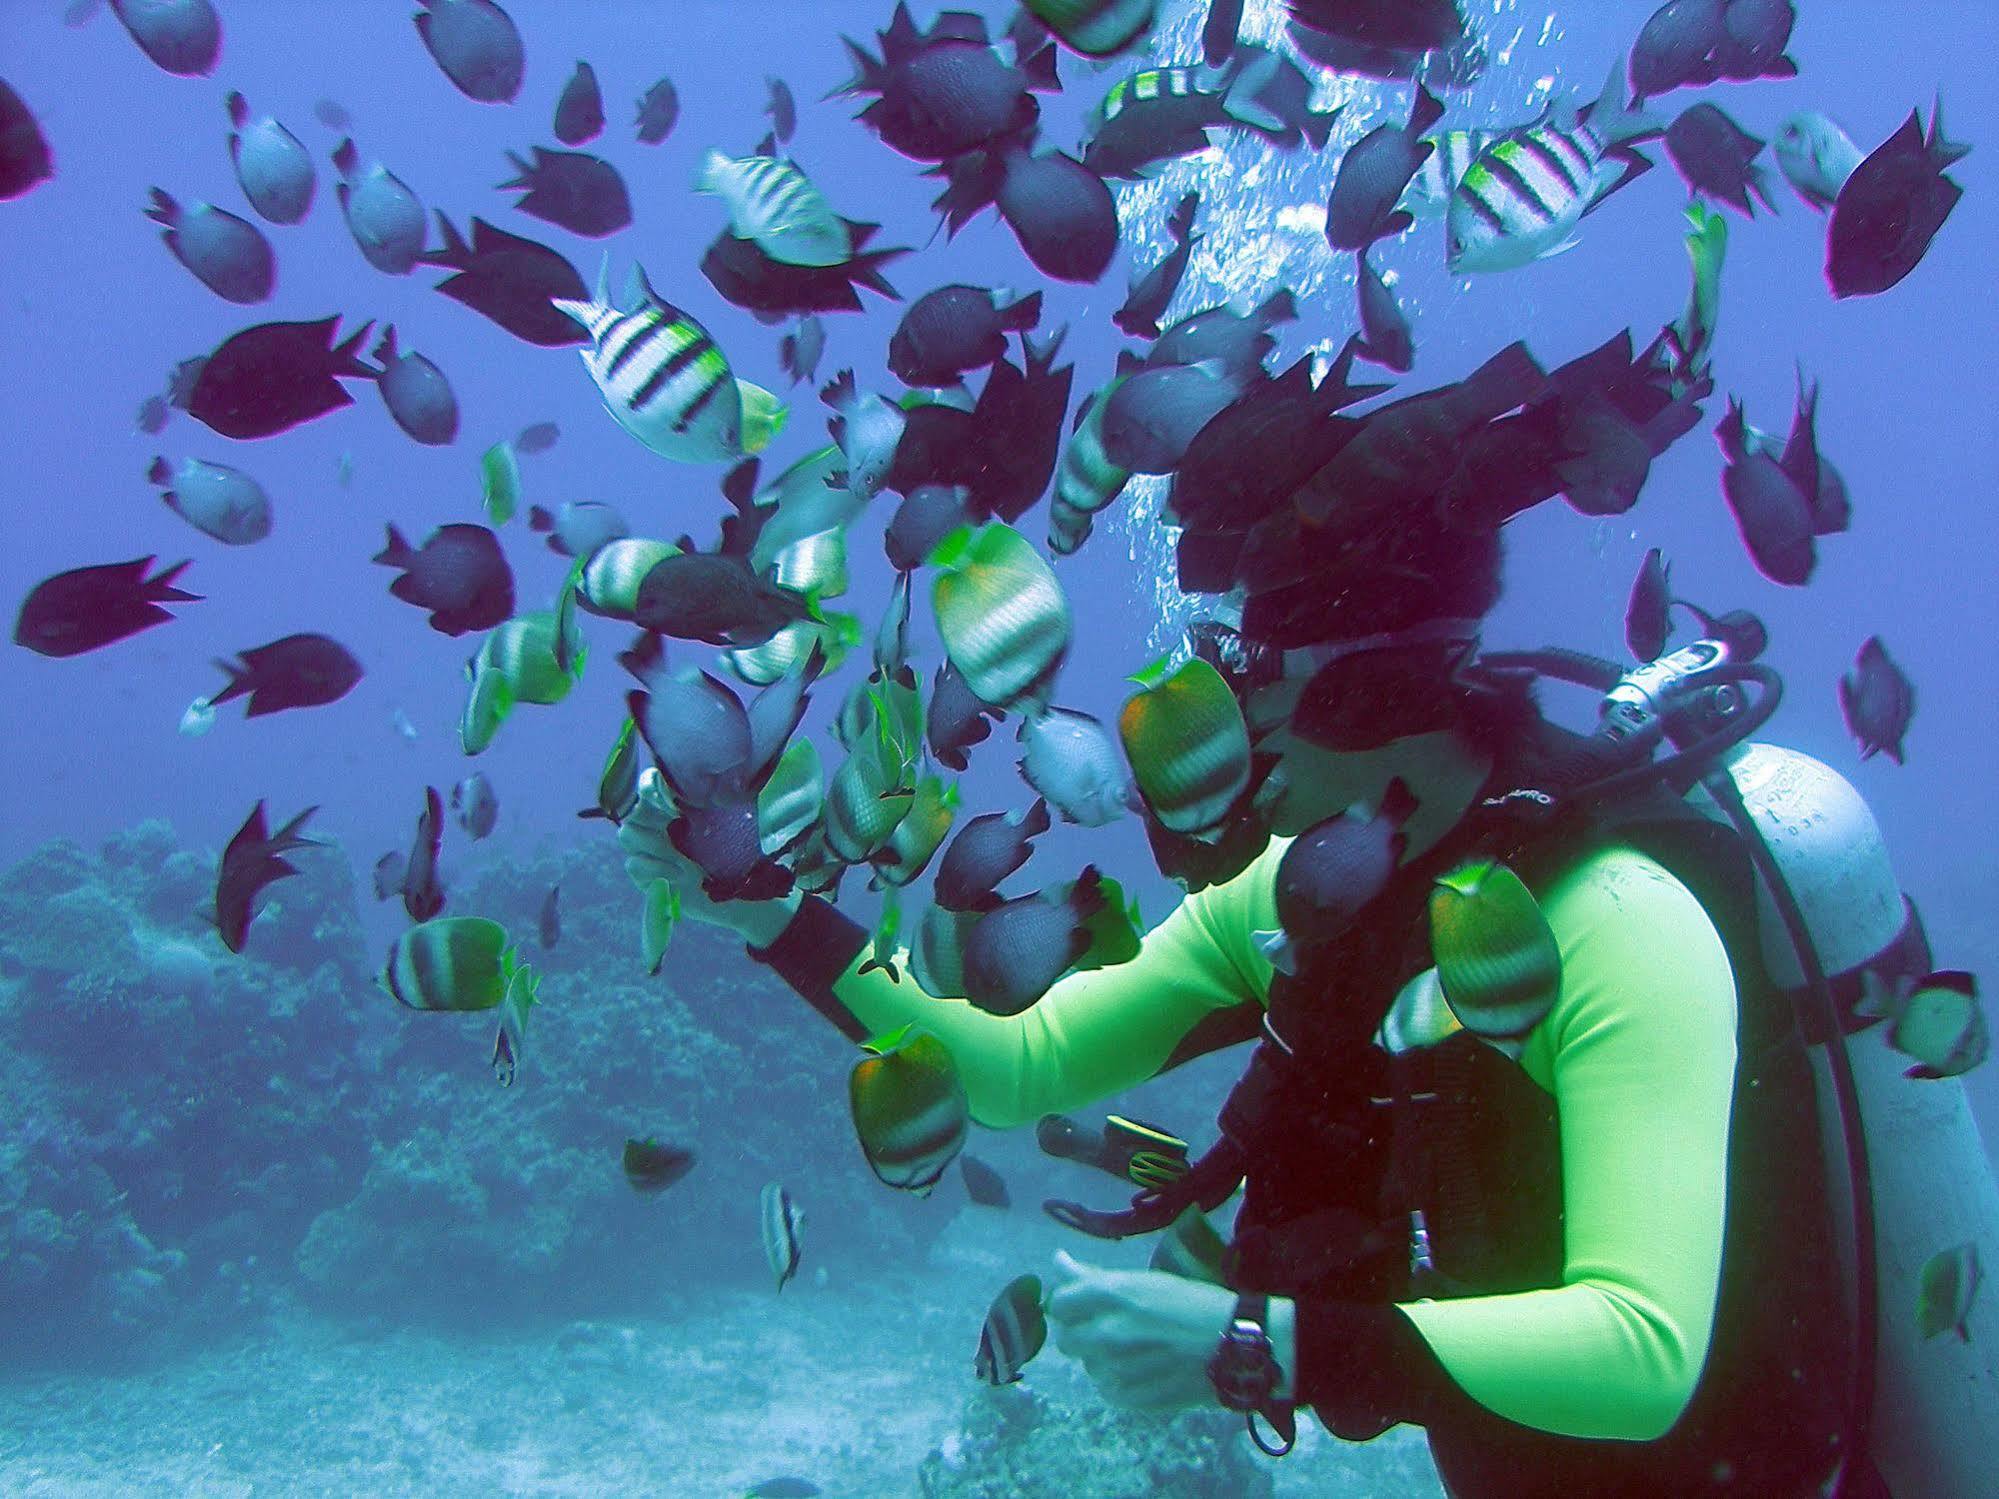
<point>1942,153</point>
<point>159,589</point>
<point>346,160</point>
<point>456,253</point>
<point>341,359</point>
<point>240,682</point>
<point>1180,222</point>
<point>1428,110</point>
<point>291,836</point>
<point>157,471</point>
<point>1318,125</point>
<point>1615,122</point>
<point>763,416</point>
<point>1279,307</point>
<point>709,178</point>
<point>385,348</point>
<point>1023,314</point>
<point>396,552</point>
<point>839,392</point>
<point>163,209</point>
<point>239,108</point>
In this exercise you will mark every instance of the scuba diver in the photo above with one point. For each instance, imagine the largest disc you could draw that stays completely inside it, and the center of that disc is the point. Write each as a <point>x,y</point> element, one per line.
<point>1530,1139</point>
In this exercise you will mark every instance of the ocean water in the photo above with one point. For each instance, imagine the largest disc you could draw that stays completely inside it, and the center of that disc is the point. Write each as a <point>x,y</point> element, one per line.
<point>262,1231</point>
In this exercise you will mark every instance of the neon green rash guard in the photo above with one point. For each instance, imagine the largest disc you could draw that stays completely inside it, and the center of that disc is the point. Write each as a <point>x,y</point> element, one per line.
<point>1638,1052</point>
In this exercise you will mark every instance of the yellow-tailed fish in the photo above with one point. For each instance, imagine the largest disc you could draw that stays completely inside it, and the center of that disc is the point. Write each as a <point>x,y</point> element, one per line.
<point>781,1226</point>
<point>500,476</point>
<point>449,963</point>
<point>1945,1290</point>
<point>883,954</point>
<point>611,576</point>
<point>909,1108</point>
<point>656,922</point>
<point>1498,964</point>
<point>917,837</point>
<point>790,802</point>
<point>520,662</point>
<point>515,1002</point>
<point>1016,1328</point>
<point>1191,1249</point>
<point>1113,930</point>
<point>802,503</point>
<point>864,804</point>
<point>618,785</point>
<point>815,565</point>
<point>1003,617</point>
<point>1184,735</point>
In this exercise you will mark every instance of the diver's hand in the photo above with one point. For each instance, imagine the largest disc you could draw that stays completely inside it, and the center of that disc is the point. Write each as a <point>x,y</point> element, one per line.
<point>650,855</point>
<point>1145,1336</point>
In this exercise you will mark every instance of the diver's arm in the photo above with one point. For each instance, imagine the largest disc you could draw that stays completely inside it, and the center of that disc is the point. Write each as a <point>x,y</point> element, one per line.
<point>1196,983</point>
<point>1640,1055</point>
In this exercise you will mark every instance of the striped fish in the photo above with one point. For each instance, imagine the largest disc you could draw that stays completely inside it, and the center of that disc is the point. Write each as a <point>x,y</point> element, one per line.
<point>1003,618</point>
<point>1016,1328</point>
<point>1498,964</point>
<point>1428,195</point>
<point>618,785</point>
<point>781,1225</point>
<point>916,839</point>
<point>1087,480</point>
<point>532,658</point>
<point>790,802</point>
<point>667,383</point>
<point>609,583</point>
<point>1184,735</point>
<point>909,1109</point>
<point>772,203</point>
<point>1522,197</point>
<point>450,963</point>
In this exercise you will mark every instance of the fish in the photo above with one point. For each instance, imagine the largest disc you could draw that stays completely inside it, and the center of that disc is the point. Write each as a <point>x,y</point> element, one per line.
<point>1219,32</point>
<point>1877,701</point>
<point>1086,481</point>
<point>475,805</point>
<point>1498,964</point>
<point>1188,746</point>
<point>537,437</point>
<point>1360,698</point>
<point>790,803</point>
<point>516,1001</point>
<point>799,350</point>
<point>422,891</point>
<point>717,598</point>
<point>528,659</point>
<point>384,216</point>
<point>772,203</point>
<point>1816,157</point>
<point>1772,513</point>
<point>215,499</point>
<point>573,190</point>
<point>451,963</point>
<point>917,836</point>
<point>1332,871</point>
<point>548,921</point>
<point>652,1165</point>
<point>198,719</point>
<point>1373,175</point>
<point>781,1226</point>
<point>666,382</point>
<point>1016,950</point>
<point>945,92</point>
<point>1457,66</point>
<point>659,916</point>
<point>579,109</point>
<point>782,109</point>
<point>785,1487</point>
<point>511,280</point>
<point>1275,100</point>
<point>275,376</point>
<point>983,1185</point>
<point>1240,342</point>
<point>1018,420</point>
<point>985,851</point>
<point>658,111</point>
<point>1191,1249</point>
<point>182,37</point>
<point>405,730</point>
<point>1410,25</point>
<point>252,861</point>
<point>1946,1289</point>
<point>1891,208</point>
<point>774,291</point>
<point>1717,157</point>
<point>1157,114</point>
<point>305,670</point>
<point>1386,339</point>
<point>227,254</point>
<point>1001,614</point>
<point>1936,1020</point>
<point>388,875</point>
<point>955,718</point>
<point>612,576</point>
<point>870,795</point>
<point>1153,292</point>
<point>1096,28</point>
<point>909,1109</point>
<point>477,46</point>
<point>1061,212</point>
<point>1073,764</point>
<point>418,396</point>
<point>1016,1328</point>
<point>333,115</point>
<point>867,430</point>
<point>1522,199</point>
<point>579,527</point>
<point>88,608</point>
<point>618,785</point>
<point>459,574</point>
<point>152,416</point>
<point>500,482</point>
<point>1648,613</point>
<point>1754,35</point>
<point>947,332</point>
<point>1429,192</point>
<point>1154,415</point>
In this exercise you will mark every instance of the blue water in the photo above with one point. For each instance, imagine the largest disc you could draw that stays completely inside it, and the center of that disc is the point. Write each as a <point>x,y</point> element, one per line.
<point>260,1230</point>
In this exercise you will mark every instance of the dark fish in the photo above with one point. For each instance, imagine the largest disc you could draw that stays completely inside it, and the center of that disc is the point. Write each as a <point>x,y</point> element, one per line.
<point>475,805</point>
<point>1019,420</point>
<point>1061,212</point>
<point>799,350</point>
<point>423,894</point>
<point>384,216</point>
<point>1816,478</point>
<point>548,921</point>
<point>1877,701</point>
<point>1016,1328</point>
<point>1151,419</point>
<point>1361,699</point>
<point>579,112</point>
<point>459,574</point>
<point>659,108</point>
<point>513,281</point>
<point>1333,870</point>
<point>1754,36</point>
<point>984,852</point>
<point>183,37</point>
<point>1458,66</point>
<point>579,527</point>
<point>227,254</point>
<point>774,291</point>
<point>253,860</point>
<point>476,44</point>
<point>715,598</point>
<point>945,92</point>
<point>296,671</point>
<point>1609,458</point>
<point>1676,47</point>
<point>1648,614</point>
<point>88,607</point>
<point>217,500</point>
<point>573,190</point>
<point>1743,633</point>
<point>782,109</point>
<point>333,115</point>
<point>956,328</point>
<point>1219,31</point>
<point>1891,208</point>
<point>1019,948</point>
<point>1718,158</point>
<point>272,167</point>
<point>1386,339</point>
<point>152,416</point>
<point>389,875</point>
<point>1773,514</point>
<point>1409,25</point>
<point>24,153</point>
<point>537,437</point>
<point>1274,101</point>
<point>955,721</point>
<point>653,1165</point>
<point>1239,341</point>
<point>274,376</point>
<point>1375,173</point>
<point>416,393</point>
<point>983,1185</point>
<point>1152,293</point>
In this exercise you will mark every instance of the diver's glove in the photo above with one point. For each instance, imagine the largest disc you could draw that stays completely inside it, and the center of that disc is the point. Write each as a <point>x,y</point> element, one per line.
<point>650,855</point>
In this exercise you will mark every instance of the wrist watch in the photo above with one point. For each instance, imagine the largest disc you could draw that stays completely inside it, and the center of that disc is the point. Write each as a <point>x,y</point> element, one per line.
<point>1246,1375</point>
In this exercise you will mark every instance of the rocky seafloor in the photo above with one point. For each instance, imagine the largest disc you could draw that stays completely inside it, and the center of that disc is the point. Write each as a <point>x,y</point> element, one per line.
<point>263,1232</point>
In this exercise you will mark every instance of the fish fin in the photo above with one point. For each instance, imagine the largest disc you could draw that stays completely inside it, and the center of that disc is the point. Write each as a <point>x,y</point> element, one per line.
<point>385,348</point>
<point>1635,164</point>
<point>1318,125</point>
<point>1039,71</point>
<point>157,472</point>
<point>1562,249</point>
<point>1429,108</point>
<point>163,209</point>
<point>239,108</point>
<point>1942,153</point>
<point>397,552</point>
<point>346,160</point>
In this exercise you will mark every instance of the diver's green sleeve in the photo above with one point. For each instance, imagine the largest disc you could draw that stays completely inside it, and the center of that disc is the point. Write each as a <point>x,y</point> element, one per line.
<point>1095,1032</point>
